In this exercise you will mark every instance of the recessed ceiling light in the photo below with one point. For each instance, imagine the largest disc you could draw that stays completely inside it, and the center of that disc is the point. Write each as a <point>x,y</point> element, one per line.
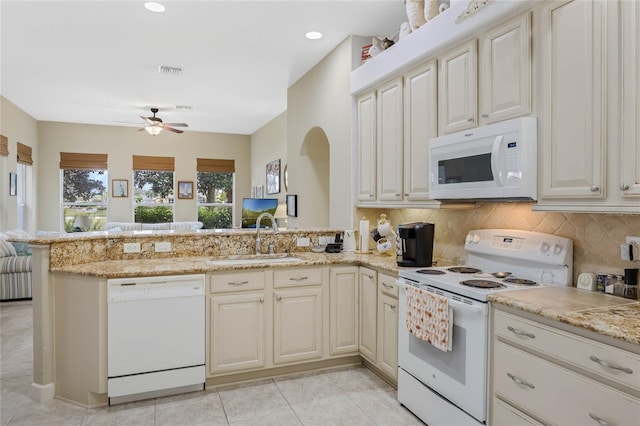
<point>313,35</point>
<point>154,7</point>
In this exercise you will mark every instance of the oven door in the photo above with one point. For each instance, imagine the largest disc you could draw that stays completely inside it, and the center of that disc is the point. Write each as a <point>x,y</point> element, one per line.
<point>459,375</point>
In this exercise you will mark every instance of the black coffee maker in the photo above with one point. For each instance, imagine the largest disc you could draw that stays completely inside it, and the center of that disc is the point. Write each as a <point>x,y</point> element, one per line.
<point>417,244</point>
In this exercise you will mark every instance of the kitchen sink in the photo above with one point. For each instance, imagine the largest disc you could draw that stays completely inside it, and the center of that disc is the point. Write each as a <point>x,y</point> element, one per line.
<point>254,259</point>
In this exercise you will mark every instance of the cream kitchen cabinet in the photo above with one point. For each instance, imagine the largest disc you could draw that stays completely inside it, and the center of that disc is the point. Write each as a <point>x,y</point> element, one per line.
<point>495,77</point>
<point>237,322</point>
<point>343,310</point>
<point>366,129</point>
<point>573,89</point>
<point>535,365</point>
<point>238,332</point>
<point>630,153</point>
<point>590,155</point>
<point>368,313</point>
<point>387,360</point>
<point>458,89</point>
<point>297,314</point>
<point>420,125</point>
<point>505,70</point>
<point>389,141</point>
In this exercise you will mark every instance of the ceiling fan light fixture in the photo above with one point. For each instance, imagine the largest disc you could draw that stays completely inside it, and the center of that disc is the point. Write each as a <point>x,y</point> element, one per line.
<point>153,130</point>
<point>154,6</point>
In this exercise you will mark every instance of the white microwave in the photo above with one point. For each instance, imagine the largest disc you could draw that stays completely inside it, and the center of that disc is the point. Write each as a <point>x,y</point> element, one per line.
<point>493,162</point>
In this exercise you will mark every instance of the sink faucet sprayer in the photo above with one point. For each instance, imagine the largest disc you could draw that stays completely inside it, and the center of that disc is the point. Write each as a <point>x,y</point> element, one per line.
<point>274,225</point>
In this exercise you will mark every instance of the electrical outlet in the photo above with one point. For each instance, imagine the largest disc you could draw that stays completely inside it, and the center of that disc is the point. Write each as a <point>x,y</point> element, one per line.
<point>131,247</point>
<point>303,242</point>
<point>162,247</point>
<point>634,243</point>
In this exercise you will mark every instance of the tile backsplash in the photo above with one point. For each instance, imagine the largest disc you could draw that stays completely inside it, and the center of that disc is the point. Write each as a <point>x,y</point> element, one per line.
<point>596,237</point>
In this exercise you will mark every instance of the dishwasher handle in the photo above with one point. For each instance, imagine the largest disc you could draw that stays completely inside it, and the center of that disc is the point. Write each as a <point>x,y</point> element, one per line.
<point>129,291</point>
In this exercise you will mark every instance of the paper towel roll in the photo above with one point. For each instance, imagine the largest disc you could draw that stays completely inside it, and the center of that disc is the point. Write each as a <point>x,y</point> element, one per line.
<point>364,236</point>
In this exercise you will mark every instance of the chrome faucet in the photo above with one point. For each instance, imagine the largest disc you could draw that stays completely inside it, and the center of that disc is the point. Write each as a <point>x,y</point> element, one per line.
<point>274,225</point>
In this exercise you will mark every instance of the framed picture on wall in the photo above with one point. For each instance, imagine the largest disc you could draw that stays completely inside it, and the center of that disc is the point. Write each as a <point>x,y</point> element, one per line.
<point>13,183</point>
<point>273,177</point>
<point>292,205</point>
<point>185,189</point>
<point>120,188</point>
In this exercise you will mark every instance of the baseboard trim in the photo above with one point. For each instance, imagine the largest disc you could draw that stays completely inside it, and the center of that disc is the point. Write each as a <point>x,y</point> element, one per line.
<point>42,393</point>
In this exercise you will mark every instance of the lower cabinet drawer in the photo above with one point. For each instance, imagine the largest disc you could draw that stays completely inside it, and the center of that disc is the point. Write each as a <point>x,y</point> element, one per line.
<point>597,358</point>
<point>502,414</point>
<point>294,277</point>
<point>242,281</point>
<point>556,395</point>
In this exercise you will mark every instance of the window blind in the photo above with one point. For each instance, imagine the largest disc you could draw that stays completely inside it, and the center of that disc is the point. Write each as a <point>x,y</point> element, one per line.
<point>4,145</point>
<point>162,164</point>
<point>215,166</point>
<point>24,154</point>
<point>79,161</point>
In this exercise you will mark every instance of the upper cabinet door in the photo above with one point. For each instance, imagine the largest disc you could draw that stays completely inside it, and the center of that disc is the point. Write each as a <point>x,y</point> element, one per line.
<point>505,71</point>
<point>457,89</point>
<point>367,147</point>
<point>630,62</point>
<point>390,141</point>
<point>573,95</point>
<point>420,125</point>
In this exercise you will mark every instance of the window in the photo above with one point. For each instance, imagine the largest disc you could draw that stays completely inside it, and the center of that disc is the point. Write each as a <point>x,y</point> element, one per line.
<point>84,191</point>
<point>24,186</point>
<point>153,194</point>
<point>215,183</point>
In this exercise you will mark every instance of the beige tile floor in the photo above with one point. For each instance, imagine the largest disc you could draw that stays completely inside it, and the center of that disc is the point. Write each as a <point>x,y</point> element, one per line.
<point>348,396</point>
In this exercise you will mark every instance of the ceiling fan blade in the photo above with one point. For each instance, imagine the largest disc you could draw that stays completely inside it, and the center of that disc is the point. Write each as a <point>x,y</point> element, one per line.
<point>177,124</point>
<point>171,129</point>
<point>147,120</point>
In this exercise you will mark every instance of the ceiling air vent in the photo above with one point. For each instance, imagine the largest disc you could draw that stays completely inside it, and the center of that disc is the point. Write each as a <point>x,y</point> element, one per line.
<point>165,69</point>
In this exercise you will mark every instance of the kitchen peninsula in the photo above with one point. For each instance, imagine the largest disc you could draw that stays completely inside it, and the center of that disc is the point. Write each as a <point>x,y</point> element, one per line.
<point>71,273</point>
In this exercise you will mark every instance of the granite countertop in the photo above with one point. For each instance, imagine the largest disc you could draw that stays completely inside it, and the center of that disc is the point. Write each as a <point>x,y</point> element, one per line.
<point>601,313</point>
<point>198,265</point>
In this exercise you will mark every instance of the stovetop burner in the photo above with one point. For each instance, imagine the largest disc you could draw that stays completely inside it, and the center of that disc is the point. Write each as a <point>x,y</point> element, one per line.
<point>464,270</point>
<point>520,281</point>
<point>431,272</point>
<point>482,284</point>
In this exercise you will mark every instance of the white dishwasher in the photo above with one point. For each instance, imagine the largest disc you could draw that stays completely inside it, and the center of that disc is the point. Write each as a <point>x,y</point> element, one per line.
<point>155,336</point>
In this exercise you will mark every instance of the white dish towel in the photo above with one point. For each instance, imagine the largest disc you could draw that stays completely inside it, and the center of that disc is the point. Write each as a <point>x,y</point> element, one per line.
<point>429,317</point>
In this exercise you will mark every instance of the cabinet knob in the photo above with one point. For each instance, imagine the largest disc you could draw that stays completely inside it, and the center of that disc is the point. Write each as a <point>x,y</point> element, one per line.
<point>624,186</point>
<point>598,419</point>
<point>262,300</point>
<point>370,195</point>
<point>485,115</point>
<point>594,188</point>
<point>278,297</point>
<point>521,333</point>
<point>393,307</point>
<point>470,120</point>
<point>406,194</point>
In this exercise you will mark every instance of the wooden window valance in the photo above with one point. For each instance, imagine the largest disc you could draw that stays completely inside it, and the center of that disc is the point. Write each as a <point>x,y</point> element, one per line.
<point>161,164</point>
<point>215,166</point>
<point>4,145</point>
<point>24,154</point>
<point>79,161</point>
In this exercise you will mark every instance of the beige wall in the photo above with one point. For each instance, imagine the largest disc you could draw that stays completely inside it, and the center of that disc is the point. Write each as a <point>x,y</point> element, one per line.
<point>596,237</point>
<point>320,100</point>
<point>268,144</point>
<point>120,143</point>
<point>17,126</point>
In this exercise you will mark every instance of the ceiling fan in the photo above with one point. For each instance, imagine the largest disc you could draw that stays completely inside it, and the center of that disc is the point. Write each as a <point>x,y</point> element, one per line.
<point>154,125</point>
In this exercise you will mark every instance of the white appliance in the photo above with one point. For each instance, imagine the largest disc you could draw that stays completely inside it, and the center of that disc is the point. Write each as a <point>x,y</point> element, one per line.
<point>451,388</point>
<point>155,336</point>
<point>498,161</point>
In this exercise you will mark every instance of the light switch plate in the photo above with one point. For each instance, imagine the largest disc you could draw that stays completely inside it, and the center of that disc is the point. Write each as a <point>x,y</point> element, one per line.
<point>163,247</point>
<point>131,247</point>
<point>303,242</point>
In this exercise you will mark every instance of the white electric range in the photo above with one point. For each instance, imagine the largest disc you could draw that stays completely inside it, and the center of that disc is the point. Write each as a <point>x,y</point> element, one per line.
<point>451,387</point>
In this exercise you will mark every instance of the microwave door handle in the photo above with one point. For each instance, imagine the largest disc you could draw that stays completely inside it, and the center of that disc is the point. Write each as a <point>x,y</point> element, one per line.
<point>495,152</point>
